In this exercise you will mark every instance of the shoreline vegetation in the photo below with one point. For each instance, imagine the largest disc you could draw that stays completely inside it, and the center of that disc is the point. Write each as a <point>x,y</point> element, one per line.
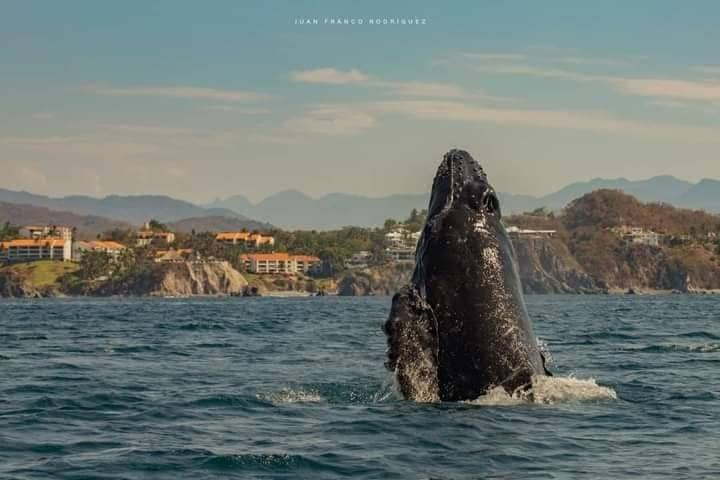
<point>605,242</point>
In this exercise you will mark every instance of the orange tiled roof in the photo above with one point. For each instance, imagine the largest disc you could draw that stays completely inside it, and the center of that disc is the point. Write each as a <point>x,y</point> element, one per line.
<point>232,236</point>
<point>32,242</point>
<point>306,258</point>
<point>107,244</point>
<point>278,256</point>
<point>266,256</point>
<point>243,236</point>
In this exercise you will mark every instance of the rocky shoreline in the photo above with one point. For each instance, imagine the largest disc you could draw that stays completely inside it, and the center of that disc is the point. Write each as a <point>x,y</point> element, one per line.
<point>546,266</point>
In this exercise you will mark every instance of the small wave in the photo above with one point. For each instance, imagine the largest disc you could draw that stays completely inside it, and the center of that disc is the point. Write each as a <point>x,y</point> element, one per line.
<point>261,461</point>
<point>680,347</point>
<point>548,391</point>
<point>225,400</point>
<point>700,334</point>
<point>288,395</point>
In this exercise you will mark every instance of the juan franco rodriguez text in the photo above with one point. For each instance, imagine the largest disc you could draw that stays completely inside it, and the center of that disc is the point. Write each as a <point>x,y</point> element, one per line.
<point>360,21</point>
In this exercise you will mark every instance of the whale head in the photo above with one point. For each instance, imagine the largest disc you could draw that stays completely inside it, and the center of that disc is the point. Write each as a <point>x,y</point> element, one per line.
<point>461,184</point>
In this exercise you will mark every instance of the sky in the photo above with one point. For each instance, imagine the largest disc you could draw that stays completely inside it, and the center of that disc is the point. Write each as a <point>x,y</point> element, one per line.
<point>204,100</point>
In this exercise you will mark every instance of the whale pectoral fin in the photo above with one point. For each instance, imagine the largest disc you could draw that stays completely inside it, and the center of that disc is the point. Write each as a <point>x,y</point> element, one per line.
<point>544,365</point>
<point>411,331</point>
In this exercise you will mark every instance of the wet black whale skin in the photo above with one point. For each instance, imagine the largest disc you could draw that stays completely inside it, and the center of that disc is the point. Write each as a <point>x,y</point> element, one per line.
<point>463,312</point>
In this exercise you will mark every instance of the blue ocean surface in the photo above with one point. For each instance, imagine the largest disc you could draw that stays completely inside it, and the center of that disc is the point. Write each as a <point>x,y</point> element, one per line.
<point>295,388</point>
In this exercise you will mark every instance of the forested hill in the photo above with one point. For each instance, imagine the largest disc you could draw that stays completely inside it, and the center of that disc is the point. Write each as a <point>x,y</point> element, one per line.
<point>686,258</point>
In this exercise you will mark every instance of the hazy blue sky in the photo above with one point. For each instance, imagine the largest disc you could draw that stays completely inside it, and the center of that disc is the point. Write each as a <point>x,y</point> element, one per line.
<point>208,99</point>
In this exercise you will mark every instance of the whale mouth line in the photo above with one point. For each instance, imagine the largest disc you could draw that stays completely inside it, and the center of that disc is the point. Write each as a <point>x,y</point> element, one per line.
<point>490,202</point>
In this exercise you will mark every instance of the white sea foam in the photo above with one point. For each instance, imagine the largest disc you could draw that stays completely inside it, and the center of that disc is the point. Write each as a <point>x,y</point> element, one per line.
<point>692,347</point>
<point>288,395</point>
<point>549,391</point>
<point>552,390</point>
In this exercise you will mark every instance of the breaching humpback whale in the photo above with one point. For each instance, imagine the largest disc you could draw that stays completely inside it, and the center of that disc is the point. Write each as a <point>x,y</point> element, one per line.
<point>461,327</point>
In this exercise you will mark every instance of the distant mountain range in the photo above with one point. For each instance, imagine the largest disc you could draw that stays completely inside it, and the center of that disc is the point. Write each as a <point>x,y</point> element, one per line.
<point>292,209</point>
<point>134,209</point>
<point>88,226</point>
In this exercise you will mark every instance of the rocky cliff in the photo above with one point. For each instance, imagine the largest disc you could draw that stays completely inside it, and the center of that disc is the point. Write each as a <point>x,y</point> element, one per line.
<point>190,278</point>
<point>14,285</point>
<point>645,267</point>
<point>177,279</point>
<point>547,266</point>
<point>382,280</point>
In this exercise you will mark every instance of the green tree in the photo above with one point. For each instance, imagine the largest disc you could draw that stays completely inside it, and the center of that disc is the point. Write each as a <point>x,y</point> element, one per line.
<point>8,232</point>
<point>333,262</point>
<point>94,264</point>
<point>125,236</point>
<point>416,220</point>
<point>156,226</point>
<point>390,224</point>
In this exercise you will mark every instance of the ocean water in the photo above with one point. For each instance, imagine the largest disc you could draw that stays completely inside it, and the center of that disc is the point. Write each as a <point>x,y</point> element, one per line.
<point>295,388</point>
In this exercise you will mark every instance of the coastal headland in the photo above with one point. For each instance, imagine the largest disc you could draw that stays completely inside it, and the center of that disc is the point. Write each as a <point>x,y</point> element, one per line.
<point>602,242</point>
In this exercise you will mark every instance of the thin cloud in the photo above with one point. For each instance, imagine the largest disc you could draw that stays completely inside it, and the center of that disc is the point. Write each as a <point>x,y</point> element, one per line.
<point>708,69</point>
<point>656,87</point>
<point>599,61</point>
<point>647,87</point>
<point>332,76</point>
<point>184,92</point>
<point>493,57</point>
<point>557,119</point>
<point>84,145</point>
<point>51,140</point>
<point>562,56</point>
<point>43,116</point>
<point>238,110</point>
<point>331,121</point>
<point>152,130</point>
<point>541,72</point>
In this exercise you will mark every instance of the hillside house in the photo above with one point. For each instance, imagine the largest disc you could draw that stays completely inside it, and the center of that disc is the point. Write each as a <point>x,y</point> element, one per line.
<point>46,231</point>
<point>151,237</point>
<point>33,249</point>
<point>400,237</point>
<point>244,238</point>
<point>401,245</point>
<point>637,235</point>
<point>516,232</point>
<point>400,255</point>
<point>175,255</point>
<point>360,259</point>
<point>279,263</point>
<point>106,246</point>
